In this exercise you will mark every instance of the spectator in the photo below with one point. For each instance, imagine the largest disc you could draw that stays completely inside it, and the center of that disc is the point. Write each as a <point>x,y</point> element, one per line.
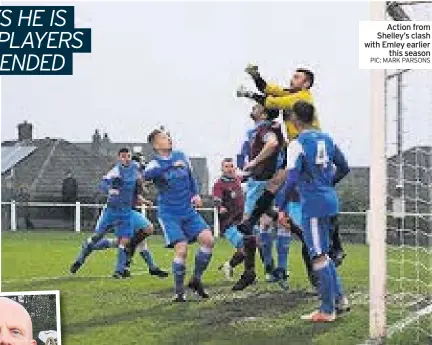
<point>24,211</point>
<point>69,193</point>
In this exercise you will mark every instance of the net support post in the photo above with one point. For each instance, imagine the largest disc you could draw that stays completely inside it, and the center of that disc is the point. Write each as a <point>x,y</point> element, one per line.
<point>216,227</point>
<point>13,216</point>
<point>78,217</point>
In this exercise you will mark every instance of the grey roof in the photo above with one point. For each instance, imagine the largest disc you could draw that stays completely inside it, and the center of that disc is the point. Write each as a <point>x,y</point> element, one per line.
<point>11,155</point>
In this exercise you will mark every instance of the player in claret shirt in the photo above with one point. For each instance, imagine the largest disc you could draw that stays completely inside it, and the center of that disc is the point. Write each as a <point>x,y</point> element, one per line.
<point>171,172</point>
<point>266,143</point>
<point>311,160</point>
<point>229,201</point>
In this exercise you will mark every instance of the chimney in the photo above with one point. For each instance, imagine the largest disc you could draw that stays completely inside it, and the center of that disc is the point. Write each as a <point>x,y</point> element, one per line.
<point>25,131</point>
<point>96,141</point>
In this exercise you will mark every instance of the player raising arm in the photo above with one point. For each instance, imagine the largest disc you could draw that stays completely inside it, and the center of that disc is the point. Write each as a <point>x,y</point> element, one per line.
<point>265,143</point>
<point>181,224</point>
<point>275,97</point>
<point>310,167</point>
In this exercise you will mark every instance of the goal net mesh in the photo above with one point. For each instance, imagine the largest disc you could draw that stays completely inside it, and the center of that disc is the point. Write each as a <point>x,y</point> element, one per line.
<point>409,196</point>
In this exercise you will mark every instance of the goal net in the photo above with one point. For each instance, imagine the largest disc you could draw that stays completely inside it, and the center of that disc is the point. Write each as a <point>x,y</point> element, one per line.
<point>408,169</point>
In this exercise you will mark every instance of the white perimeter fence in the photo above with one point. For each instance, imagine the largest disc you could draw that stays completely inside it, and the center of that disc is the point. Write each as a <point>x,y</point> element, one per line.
<point>353,224</point>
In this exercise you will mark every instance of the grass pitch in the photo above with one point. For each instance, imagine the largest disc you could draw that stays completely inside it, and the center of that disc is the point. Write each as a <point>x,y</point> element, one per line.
<point>97,309</point>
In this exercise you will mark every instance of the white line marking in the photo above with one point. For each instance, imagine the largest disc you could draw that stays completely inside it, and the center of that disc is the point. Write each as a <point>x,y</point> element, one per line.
<point>400,325</point>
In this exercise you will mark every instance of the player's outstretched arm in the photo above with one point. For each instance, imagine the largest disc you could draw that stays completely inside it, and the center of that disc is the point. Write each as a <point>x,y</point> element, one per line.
<point>276,90</point>
<point>342,168</point>
<point>269,148</point>
<point>260,83</point>
<point>266,88</point>
<point>288,100</point>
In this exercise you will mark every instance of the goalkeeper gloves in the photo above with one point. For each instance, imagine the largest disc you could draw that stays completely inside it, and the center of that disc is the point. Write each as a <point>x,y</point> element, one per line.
<point>252,70</point>
<point>243,92</point>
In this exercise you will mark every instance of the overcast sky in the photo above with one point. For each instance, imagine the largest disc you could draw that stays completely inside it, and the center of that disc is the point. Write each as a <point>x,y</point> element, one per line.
<point>179,64</point>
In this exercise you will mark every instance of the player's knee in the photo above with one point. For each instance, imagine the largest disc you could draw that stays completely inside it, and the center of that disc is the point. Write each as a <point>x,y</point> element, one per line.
<point>95,238</point>
<point>206,239</point>
<point>123,241</point>
<point>142,246</point>
<point>180,250</point>
<point>265,222</point>
<point>149,230</point>
<point>319,261</point>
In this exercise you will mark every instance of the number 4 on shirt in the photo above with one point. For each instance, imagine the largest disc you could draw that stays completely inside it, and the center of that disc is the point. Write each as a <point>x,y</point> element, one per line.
<point>322,157</point>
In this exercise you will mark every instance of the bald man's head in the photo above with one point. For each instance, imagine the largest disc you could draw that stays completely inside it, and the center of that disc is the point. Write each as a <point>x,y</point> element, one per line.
<point>15,324</point>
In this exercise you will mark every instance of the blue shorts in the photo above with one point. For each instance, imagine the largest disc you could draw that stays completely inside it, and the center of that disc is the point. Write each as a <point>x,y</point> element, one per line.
<point>179,228</point>
<point>139,221</point>
<point>120,219</point>
<point>316,232</point>
<point>254,190</point>
<point>234,236</point>
<point>294,211</point>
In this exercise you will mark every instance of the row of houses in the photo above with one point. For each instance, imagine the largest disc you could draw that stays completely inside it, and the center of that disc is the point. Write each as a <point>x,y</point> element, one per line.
<point>41,165</point>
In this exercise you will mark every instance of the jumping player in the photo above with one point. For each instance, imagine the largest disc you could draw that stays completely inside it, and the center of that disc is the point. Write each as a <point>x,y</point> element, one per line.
<point>311,160</point>
<point>171,173</point>
<point>119,184</point>
<point>229,201</point>
<point>265,146</point>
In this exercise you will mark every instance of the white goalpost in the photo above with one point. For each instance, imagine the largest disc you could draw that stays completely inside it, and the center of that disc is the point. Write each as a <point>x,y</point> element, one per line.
<point>377,190</point>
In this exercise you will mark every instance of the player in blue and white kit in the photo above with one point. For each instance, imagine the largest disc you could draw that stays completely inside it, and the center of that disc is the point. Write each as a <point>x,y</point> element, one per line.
<point>119,184</point>
<point>311,160</point>
<point>171,172</point>
<point>142,229</point>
